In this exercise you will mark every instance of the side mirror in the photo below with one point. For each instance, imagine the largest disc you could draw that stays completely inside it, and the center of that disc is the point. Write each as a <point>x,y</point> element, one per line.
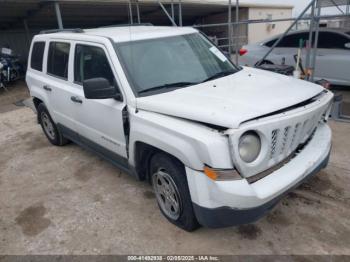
<point>347,45</point>
<point>99,88</point>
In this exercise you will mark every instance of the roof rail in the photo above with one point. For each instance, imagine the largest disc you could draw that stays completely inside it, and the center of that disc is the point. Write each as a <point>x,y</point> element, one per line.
<point>72,30</point>
<point>122,25</point>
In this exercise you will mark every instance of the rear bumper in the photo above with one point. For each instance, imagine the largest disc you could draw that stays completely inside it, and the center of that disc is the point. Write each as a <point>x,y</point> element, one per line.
<point>226,216</point>
<point>227,203</point>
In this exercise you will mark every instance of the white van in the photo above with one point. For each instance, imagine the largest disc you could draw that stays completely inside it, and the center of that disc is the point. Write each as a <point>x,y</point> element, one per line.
<point>220,144</point>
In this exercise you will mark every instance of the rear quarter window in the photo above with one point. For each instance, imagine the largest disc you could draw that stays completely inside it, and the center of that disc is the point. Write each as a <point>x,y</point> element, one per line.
<point>57,61</point>
<point>36,61</point>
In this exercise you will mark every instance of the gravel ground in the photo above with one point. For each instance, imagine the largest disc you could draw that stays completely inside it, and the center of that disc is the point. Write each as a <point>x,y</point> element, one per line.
<point>65,200</point>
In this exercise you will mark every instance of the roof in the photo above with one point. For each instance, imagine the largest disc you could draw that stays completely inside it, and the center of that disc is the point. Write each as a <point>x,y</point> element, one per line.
<point>125,33</point>
<point>40,14</point>
<point>327,29</point>
<point>128,33</point>
<point>242,3</point>
<point>329,3</point>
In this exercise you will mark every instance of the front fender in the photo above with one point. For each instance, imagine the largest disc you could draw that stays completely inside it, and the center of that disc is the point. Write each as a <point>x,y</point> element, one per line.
<point>192,143</point>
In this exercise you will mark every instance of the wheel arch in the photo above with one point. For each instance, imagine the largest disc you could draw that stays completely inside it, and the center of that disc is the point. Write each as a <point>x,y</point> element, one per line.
<point>143,153</point>
<point>37,102</point>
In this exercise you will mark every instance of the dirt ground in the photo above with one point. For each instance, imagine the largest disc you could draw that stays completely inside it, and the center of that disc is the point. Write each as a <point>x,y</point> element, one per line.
<point>65,200</point>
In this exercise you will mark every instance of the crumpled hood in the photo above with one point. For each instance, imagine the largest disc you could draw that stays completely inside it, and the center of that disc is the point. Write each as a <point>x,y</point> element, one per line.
<point>231,100</point>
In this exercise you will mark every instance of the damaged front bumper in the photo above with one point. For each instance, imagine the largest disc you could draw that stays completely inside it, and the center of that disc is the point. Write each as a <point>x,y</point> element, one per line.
<point>227,203</point>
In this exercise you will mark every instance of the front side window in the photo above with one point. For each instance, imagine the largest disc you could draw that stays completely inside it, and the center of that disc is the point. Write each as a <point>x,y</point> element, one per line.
<point>172,62</point>
<point>36,61</point>
<point>57,62</point>
<point>290,41</point>
<point>91,62</point>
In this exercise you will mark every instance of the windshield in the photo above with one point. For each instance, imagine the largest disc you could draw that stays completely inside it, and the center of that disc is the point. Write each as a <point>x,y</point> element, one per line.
<point>165,64</point>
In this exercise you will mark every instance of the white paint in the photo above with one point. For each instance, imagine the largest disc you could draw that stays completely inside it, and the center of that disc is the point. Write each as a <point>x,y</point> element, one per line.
<point>175,122</point>
<point>239,194</point>
<point>231,100</point>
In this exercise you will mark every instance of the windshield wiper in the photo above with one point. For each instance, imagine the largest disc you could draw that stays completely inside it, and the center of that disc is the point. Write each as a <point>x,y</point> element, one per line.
<point>170,85</point>
<point>219,74</point>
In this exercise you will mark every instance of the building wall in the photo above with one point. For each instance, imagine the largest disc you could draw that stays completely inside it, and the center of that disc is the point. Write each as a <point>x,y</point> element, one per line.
<point>17,41</point>
<point>220,32</point>
<point>259,32</point>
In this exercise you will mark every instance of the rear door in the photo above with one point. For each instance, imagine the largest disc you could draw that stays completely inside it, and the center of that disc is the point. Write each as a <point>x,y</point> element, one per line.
<point>59,61</point>
<point>99,121</point>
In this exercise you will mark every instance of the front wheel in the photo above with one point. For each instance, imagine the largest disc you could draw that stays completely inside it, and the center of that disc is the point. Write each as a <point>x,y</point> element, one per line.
<point>171,189</point>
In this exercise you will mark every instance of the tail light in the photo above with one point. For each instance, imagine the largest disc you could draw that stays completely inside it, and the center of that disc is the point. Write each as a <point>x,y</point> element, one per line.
<point>243,51</point>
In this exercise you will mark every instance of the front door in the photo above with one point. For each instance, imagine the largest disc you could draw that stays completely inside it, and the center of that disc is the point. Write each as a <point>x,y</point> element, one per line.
<point>99,121</point>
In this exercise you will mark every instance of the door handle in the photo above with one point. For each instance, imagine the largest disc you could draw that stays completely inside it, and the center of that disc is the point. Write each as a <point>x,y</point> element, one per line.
<point>76,99</point>
<point>47,88</point>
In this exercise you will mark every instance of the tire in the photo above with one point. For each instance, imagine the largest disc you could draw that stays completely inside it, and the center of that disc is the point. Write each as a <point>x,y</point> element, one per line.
<point>49,127</point>
<point>171,189</point>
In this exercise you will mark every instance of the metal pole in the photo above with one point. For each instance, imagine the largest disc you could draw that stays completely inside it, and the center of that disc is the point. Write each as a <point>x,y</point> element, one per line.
<point>180,13</point>
<point>138,12</point>
<point>314,53</point>
<point>348,7</point>
<point>130,13</point>
<point>286,32</point>
<point>172,10</point>
<point>309,45</point>
<point>229,28</point>
<point>58,15</point>
<point>26,28</point>
<point>237,31</point>
<point>167,14</point>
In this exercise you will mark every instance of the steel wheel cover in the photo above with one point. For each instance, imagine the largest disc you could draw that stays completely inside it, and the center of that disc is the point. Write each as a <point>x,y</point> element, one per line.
<point>167,194</point>
<point>48,126</point>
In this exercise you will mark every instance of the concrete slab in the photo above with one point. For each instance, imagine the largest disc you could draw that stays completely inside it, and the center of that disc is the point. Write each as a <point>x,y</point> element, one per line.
<point>65,200</point>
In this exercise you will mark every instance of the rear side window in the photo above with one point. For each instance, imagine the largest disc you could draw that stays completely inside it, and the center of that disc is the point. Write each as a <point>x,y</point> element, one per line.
<point>91,62</point>
<point>331,40</point>
<point>57,62</point>
<point>36,61</point>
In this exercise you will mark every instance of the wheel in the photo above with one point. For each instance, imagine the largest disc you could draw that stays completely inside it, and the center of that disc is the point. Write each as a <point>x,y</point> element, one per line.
<point>171,189</point>
<point>49,127</point>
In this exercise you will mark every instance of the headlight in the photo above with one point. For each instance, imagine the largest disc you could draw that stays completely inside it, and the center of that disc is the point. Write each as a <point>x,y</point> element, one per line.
<point>249,146</point>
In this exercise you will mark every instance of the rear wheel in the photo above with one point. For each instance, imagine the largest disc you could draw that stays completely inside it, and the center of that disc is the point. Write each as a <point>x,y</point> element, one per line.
<point>49,127</point>
<point>171,189</point>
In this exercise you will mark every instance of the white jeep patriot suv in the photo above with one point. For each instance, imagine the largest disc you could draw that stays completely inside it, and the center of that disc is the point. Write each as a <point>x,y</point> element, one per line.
<point>220,144</point>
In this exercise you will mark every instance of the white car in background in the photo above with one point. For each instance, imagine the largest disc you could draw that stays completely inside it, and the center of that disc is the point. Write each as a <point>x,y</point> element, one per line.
<point>333,54</point>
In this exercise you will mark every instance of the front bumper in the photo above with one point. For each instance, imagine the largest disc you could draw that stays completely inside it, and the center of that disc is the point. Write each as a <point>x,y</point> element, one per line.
<point>228,203</point>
